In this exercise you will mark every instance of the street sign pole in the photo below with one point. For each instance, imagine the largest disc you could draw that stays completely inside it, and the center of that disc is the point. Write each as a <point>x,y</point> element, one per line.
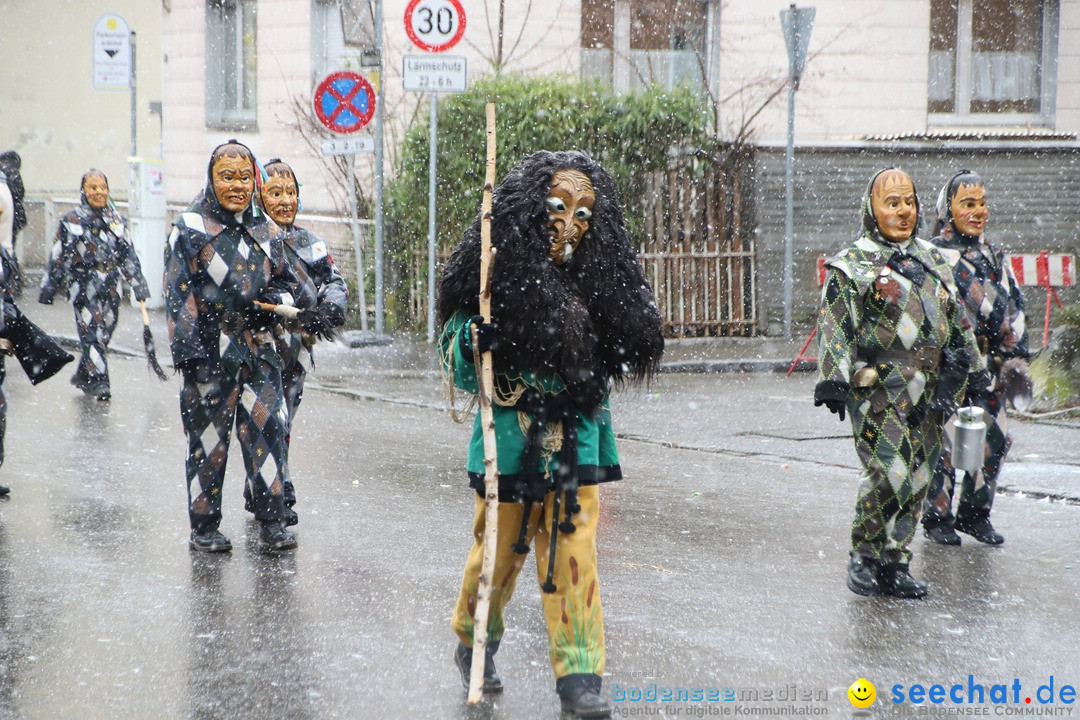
<point>134,106</point>
<point>797,24</point>
<point>354,212</point>
<point>433,26</point>
<point>379,170</point>
<point>344,102</point>
<point>433,133</point>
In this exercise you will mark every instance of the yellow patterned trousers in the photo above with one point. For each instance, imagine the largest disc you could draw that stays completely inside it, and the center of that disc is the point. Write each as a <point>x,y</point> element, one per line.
<point>575,620</point>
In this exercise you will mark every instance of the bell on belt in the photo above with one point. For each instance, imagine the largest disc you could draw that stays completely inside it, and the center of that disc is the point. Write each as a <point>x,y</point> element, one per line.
<point>968,451</point>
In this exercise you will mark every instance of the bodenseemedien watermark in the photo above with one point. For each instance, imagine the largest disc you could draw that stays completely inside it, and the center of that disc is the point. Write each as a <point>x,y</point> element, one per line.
<point>699,701</point>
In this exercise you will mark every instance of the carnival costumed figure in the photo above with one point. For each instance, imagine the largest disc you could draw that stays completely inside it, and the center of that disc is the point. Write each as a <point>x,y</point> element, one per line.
<point>11,167</point>
<point>320,291</point>
<point>572,315</point>
<point>895,352</point>
<point>223,254</point>
<point>40,356</point>
<point>994,306</point>
<point>91,253</point>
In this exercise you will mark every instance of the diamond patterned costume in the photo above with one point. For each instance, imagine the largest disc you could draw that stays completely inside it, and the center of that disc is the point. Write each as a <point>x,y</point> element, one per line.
<point>91,253</point>
<point>216,265</point>
<point>888,311</point>
<point>7,283</point>
<point>318,285</point>
<point>994,306</point>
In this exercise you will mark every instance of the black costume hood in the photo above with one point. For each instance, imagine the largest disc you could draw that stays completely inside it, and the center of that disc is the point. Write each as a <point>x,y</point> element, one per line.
<point>870,223</point>
<point>206,202</point>
<point>593,314</point>
<point>945,226</point>
<point>107,215</point>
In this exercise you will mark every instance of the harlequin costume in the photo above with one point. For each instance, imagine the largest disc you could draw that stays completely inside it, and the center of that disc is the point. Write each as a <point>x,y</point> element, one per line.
<point>222,255</point>
<point>40,356</point>
<point>320,291</point>
<point>894,353</point>
<point>572,314</point>
<point>91,253</point>
<point>992,302</point>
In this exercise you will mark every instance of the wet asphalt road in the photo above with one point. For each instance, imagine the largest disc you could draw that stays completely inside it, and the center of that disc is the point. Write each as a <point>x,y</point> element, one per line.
<point>722,559</point>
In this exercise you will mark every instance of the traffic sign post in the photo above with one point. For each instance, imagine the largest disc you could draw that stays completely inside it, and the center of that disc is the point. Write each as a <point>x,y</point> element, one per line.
<point>344,102</point>
<point>434,26</point>
<point>797,23</point>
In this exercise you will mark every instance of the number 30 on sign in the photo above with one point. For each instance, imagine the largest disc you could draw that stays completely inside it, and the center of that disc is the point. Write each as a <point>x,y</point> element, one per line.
<point>435,25</point>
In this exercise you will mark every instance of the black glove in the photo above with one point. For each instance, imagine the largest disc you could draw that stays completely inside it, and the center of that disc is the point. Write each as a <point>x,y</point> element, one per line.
<point>487,337</point>
<point>317,321</point>
<point>833,395</point>
<point>46,296</point>
<point>978,389</point>
<point>952,374</point>
<point>256,318</point>
<point>198,371</point>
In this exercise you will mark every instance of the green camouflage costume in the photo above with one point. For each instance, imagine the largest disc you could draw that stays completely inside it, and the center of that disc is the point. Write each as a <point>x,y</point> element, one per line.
<point>888,318</point>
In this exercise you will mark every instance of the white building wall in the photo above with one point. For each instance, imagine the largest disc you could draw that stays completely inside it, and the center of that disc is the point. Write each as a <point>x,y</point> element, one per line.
<point>543,41</point>
<point>867,72</point>
<point>51,114</point>
<point>867,76</point>
<point>283,65</point>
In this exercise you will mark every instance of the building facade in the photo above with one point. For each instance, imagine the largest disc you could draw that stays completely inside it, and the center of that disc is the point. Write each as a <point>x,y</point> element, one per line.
<point>933,84</point>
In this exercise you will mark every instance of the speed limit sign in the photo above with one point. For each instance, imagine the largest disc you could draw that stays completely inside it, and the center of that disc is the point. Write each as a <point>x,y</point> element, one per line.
<point>435,25</point>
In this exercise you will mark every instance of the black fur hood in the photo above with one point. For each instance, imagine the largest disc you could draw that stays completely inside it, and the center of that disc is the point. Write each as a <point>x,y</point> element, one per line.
<point>593,316</point>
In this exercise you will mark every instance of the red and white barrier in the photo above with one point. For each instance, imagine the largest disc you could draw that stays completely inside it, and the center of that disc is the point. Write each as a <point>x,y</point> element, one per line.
<point>1043,269</point>
<point>809,358</point>
<point>1046,270</point>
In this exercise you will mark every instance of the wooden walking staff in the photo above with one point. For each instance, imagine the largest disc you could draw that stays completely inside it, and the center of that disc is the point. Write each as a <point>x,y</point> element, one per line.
<point>486,383</point>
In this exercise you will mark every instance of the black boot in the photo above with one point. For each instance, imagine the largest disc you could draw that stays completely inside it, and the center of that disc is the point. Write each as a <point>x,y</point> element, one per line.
<point>580,694</point>
<point>895,580</point>
<point>463,660</point>
<point>80,379</point>
<point>941,533</point>
<point>209,540</point>
<point>862,576</point>
<point>274,536</point>
<point>977,525</point>
<point>4,490</point>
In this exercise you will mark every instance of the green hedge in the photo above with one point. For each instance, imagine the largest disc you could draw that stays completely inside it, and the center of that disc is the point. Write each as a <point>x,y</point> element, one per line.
<point>628,134</point>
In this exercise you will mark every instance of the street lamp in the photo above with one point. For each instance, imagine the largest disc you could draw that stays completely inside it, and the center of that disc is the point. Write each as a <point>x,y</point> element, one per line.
<point>797,24</point>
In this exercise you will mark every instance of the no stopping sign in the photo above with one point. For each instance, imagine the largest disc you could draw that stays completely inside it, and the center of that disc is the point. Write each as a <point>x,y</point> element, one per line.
<point>344,101</point>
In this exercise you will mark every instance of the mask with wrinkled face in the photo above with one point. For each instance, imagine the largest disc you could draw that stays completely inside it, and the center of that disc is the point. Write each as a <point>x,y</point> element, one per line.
<point>969,209</point>
<point>896,210</point>
<point>569,206</point>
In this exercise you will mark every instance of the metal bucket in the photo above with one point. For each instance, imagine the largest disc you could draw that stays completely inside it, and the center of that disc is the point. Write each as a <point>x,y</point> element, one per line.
<point>968,453</point>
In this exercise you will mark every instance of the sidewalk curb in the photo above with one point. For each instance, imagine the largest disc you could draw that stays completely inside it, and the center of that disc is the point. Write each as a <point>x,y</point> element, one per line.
<point>727,366</point>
